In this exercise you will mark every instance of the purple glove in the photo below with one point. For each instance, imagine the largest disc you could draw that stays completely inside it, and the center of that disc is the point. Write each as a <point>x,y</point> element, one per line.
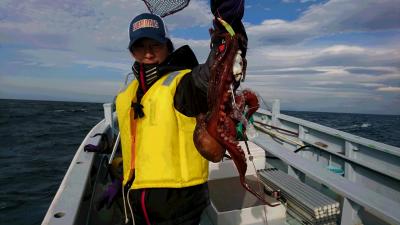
<point>101,147</point>
<point>109,195</point>
<point>232,12</point>
<point>229,10</point>
<point>92,148</point>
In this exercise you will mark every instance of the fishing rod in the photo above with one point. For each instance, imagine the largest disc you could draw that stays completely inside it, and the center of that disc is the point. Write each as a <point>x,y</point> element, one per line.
<point>277,128</point>
<point>115,147</point>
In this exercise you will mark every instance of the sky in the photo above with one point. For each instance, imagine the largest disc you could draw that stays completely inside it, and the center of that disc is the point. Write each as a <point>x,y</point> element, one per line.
<point>312,55</point>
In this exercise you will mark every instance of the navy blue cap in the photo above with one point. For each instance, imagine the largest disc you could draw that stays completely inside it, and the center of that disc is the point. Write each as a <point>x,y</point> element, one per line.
<point>147,25</point>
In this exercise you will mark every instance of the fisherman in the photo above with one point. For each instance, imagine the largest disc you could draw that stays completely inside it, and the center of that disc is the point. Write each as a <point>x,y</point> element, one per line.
<point>164,176</point>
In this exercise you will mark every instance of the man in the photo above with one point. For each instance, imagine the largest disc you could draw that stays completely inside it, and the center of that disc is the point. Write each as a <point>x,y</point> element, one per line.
<point>164,175</point>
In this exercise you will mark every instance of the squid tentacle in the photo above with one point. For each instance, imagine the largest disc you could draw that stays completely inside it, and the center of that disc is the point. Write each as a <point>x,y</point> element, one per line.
<point>215,131</point>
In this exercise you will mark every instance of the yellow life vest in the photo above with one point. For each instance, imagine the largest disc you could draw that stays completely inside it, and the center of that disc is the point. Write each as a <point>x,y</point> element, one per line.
<point>160,151</point>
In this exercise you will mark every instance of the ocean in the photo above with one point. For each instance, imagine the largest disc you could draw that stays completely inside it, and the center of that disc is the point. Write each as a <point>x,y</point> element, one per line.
<point>38,140</point>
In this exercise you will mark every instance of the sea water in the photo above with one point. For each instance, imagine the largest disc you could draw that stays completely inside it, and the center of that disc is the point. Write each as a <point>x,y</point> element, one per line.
<point>38,140</point>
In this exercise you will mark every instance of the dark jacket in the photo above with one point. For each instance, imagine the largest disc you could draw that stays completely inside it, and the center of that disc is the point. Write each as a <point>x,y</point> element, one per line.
<point>191,95</point>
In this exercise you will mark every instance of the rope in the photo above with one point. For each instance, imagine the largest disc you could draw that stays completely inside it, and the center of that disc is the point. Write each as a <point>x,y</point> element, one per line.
<point>143,203</point>
<point>123,198</point>
<point>130,209</point>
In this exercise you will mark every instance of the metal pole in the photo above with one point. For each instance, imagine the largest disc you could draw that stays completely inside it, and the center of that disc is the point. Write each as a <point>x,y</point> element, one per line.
<point>114,149</point>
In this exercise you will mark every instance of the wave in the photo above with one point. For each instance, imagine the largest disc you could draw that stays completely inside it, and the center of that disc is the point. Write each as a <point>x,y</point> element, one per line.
<point>79,110</point>
<point>365,125</point>
<point>354,126</point>
<point>71,110</point>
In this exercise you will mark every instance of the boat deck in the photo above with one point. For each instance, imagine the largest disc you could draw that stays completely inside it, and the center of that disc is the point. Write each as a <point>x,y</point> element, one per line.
<point>362,175</point>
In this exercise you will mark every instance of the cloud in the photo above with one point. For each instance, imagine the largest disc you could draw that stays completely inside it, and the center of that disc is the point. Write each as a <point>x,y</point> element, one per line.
<point>84,25</point>
<point>389,89</point>
<point>110,65</point>
<point>325,83</point>
<point>333,17</point>
<point>288,60</point>
<point>301,1</point>
<point>78,26</point>
<point>342,49</point>
<point>344,15</point>
<point>336,55</point>
<point>371,70</point>
<point>94,33</point>
<point>328,88</point>
<point>58,88</point>
<point>201,48</point>
<point>371,84</point>
<point>196,14</point>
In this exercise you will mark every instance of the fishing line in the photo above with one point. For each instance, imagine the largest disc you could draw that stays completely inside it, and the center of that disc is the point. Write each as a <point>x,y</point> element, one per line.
<point>103,159</point>
<point>251,158</point>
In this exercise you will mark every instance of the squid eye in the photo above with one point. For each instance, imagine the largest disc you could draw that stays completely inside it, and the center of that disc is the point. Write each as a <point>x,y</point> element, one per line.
<point>221,48</point>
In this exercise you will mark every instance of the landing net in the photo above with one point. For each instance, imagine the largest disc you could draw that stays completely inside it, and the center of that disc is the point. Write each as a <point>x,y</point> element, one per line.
<point>165,7</point>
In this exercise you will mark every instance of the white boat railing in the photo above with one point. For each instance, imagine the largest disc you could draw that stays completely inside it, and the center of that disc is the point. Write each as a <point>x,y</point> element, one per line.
<point>67,206</point>
<point>367,172</point>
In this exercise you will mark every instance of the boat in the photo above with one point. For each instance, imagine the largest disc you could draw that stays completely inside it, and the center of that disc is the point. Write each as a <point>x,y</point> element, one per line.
<point>309,173</point>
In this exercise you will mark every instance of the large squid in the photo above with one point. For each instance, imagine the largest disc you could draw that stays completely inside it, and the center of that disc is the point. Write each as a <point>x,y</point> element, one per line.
<point>216,131</point>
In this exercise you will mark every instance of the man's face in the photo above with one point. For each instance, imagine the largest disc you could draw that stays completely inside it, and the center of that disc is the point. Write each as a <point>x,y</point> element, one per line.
<point>149,51</point>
